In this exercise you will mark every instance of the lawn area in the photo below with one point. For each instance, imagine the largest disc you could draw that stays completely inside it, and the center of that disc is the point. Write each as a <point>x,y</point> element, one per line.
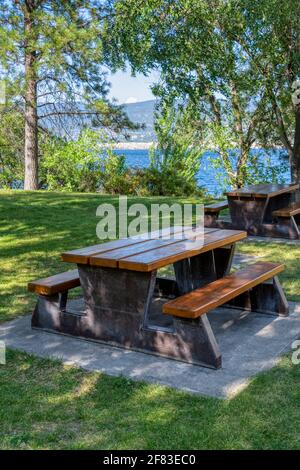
<point>47,405</point>
<point>44,404</point>
<point>35,228</point>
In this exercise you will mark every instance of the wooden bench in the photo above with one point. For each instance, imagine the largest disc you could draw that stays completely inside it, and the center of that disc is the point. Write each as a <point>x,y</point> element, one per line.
<point>212,211</point>
<point>287,220</point>
<point>292,210</point>
<point>245,289</point>
<point>54,284</point>
<point>52,294</point>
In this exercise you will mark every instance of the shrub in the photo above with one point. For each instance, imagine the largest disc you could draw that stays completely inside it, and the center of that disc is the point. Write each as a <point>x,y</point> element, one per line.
<point>175,162</point>
<point>11,148</point>
<point>167,182</point>
<point>87,164</point>
<point>117,178</point>
<point>77,165</point>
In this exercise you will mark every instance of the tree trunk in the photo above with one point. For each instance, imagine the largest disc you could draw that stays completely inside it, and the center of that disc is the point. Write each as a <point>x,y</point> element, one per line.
<point>295,160</point>
<point>241,171</point>
<point>31,121</point>
<point>295,155</point>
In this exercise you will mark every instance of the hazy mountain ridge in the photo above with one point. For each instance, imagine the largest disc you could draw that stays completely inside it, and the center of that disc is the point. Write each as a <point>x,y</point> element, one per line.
<point>142,113</point>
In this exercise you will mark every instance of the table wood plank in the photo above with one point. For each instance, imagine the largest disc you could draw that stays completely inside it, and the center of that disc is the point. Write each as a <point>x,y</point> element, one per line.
<point>216,207</point>
<point>83,255</point>
<point>111,258</point>
<point>159,257</point>
<point>263,190</point>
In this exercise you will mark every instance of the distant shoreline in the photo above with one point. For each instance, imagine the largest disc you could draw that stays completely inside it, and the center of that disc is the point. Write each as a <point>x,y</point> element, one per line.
<point>148,145</point>
<point>134,145</point>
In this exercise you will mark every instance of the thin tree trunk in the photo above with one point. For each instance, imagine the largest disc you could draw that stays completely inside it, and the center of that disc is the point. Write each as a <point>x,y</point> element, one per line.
<point>295,155</point>
<point>241,171</point>
<point>31,120</point>
<point>295,160</point>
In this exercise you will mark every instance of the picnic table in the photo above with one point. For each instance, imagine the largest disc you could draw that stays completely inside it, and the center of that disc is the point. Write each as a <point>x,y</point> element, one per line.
<point>124,295</point>
<point>128,305</point>
<point>262,209</point>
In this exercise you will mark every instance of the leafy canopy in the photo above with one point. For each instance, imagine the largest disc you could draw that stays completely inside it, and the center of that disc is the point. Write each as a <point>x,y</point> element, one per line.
<point>69,64</point>
<point>232,63</point>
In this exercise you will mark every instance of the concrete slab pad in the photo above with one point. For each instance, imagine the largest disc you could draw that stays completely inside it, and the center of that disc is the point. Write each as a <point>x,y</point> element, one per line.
<point>249,343</point>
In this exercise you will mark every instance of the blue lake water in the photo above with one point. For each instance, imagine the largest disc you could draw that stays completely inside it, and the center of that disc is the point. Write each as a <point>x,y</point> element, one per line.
<point>213,180</point>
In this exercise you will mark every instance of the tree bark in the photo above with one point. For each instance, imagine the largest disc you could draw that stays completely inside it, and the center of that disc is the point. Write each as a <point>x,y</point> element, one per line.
<point>241,172</point>
<point>31,119</point>
<point>295,160</point>
<point>295,155</point>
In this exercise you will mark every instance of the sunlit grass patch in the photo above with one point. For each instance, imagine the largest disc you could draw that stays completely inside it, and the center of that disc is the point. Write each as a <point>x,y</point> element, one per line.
<point>288,254</point>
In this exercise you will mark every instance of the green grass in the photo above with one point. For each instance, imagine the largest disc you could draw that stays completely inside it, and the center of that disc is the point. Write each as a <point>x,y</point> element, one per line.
<point>47,405</point>
<point>44,404</point>
<point>279,252</point>
<point>35,228</point>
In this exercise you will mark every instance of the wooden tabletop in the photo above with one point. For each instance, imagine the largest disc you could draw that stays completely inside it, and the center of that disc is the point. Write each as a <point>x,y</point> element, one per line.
<point>264,190</point>
<point>151,254</point>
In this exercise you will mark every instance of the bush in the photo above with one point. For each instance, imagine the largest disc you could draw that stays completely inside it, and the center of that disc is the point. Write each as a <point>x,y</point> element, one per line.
<point>84,165</point>
<point>11,148</point>
<point>167,182</point>
<point>87,164</point>
<point>115,177</point>
<point>175,162</point>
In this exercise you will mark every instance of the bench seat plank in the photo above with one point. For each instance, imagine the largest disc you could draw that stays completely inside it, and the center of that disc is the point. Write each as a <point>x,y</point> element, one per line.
<point>54,284</point>
<point>289,211</point>
<point>204,299</point>
<point>216,207</point>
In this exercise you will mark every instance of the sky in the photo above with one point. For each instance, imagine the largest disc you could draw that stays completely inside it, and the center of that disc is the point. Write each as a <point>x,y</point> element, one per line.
<point>128,89</point>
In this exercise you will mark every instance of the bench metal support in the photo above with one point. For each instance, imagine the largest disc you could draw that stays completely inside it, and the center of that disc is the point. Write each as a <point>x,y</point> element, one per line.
<point>191,274</point>
<point>195,272</point>
<point>286,227</point>
<point>46,312</point>
<point>122,309</point>
<point>267,298</point>
<point>51,313</point>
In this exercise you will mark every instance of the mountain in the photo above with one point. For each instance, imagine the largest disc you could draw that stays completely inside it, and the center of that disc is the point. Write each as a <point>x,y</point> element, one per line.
<point>142,113</point>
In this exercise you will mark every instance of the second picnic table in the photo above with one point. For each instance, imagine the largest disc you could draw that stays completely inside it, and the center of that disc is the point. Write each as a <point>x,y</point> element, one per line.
<point>262,209</point>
